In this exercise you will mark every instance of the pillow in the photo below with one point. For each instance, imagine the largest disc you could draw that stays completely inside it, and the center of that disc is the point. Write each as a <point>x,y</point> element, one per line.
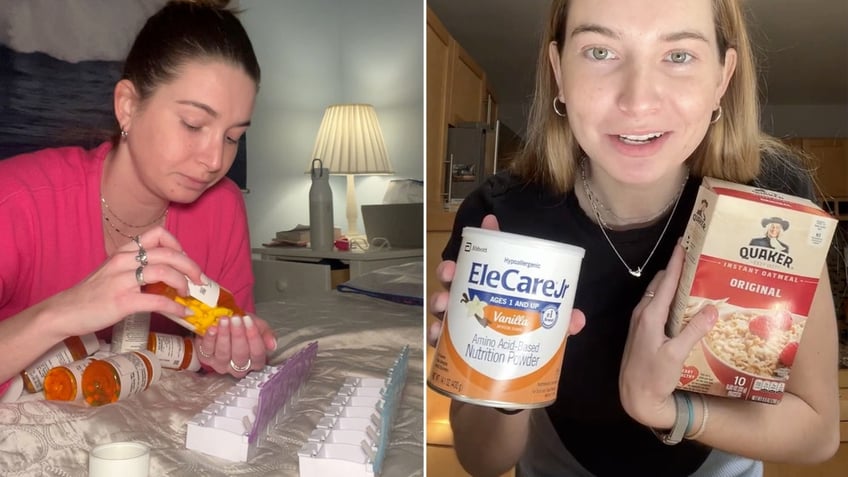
<point>402,283</point>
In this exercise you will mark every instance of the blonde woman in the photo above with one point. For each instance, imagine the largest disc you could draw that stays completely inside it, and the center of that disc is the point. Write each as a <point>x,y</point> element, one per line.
<point>635,102</point>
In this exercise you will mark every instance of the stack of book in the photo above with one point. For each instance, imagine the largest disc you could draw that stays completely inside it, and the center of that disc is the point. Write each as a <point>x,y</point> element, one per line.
<point>296,237</point>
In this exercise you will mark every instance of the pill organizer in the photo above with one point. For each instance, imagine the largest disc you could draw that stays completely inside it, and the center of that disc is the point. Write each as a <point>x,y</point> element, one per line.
<point>230,426</point>
<point>352,437</point>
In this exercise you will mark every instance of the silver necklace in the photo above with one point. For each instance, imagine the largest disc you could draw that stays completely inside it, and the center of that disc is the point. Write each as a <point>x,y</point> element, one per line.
<point>622,220</point>
<point>594,202</point>
<point>107,209</point>
<point>116,229</point>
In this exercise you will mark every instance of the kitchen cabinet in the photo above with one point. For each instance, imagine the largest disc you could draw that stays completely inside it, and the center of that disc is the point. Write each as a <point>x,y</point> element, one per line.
<point>831,156</point>
<point>837,466</point>
<point>460,81</point>
<point>457,93</point>
<point>831,172</point>
<point>830,165</point>
<point>468,98</point>
<point>439,220</point>
<point>456,89</point>
<point>438,66</point>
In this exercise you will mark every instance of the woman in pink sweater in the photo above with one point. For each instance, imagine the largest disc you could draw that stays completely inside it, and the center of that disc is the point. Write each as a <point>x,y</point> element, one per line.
<point>81,231</point>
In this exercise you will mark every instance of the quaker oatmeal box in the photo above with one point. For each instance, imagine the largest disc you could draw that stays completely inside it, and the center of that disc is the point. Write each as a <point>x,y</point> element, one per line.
<point>757,255</point>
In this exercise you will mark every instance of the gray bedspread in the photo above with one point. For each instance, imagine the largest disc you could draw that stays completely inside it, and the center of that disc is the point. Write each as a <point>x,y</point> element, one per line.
<point>357,336</point>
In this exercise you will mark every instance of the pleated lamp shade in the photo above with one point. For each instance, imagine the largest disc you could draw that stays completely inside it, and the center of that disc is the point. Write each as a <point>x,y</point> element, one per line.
<point>350,141</point>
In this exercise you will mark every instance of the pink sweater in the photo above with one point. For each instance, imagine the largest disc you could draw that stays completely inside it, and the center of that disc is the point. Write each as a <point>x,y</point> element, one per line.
<point>51,230</point>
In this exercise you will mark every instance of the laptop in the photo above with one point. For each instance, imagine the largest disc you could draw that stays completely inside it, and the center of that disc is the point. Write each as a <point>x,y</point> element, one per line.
<point>401,225</point>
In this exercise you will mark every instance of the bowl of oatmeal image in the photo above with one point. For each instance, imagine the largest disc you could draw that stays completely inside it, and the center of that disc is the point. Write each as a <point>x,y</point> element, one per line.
<point>752,343</point>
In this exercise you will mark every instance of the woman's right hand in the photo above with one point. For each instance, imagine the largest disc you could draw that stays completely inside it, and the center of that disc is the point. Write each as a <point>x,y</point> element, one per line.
<point>445,272</point>
<point>439,301</point>
<point>112,291</point>
<point>506,434</point>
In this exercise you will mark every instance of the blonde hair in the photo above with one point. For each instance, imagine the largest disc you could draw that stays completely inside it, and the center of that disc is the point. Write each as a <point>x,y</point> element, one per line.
<point>731,149</point>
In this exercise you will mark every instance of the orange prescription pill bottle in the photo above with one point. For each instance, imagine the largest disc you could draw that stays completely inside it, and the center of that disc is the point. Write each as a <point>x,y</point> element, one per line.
<point>208,302</point>
<point>130,334</point>
<point>64,383</point>
<point>106,380</point>
<point>173,352</point>
<point>66,351</point>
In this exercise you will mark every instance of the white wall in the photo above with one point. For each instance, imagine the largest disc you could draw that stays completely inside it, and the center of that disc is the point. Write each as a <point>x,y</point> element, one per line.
<point>314,53</point>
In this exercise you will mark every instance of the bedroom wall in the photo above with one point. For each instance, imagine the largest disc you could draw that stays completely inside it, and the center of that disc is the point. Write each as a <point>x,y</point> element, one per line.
<point>313,54</point>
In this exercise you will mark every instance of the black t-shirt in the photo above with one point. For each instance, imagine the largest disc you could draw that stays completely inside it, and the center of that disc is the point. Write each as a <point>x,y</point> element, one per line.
<point>588,414</point>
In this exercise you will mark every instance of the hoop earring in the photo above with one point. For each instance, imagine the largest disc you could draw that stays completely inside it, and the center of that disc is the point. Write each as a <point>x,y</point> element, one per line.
<point>716,116</point>
<point>556,110</point>
<point>124,133</point>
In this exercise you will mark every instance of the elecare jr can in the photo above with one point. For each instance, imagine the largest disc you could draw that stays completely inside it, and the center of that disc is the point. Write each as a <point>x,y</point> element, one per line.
<point>503,339</point>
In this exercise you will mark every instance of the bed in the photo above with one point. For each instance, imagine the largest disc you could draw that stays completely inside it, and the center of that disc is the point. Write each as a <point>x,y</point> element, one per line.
<point>358,335</point>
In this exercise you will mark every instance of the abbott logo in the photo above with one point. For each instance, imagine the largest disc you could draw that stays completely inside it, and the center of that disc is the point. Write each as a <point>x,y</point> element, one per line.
<point>469,247</point>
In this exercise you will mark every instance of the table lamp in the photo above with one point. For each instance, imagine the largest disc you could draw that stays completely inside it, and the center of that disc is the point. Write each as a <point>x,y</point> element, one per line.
<point>350,142</point>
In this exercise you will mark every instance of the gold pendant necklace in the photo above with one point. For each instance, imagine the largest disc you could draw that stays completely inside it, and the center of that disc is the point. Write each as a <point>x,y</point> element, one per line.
<point>595,202</point>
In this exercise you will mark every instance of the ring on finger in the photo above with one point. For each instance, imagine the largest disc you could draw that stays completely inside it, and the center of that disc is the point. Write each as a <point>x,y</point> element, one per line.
<point>141,257</point>
<point>203,353</point>
<point>241,369</point>
<point>139,276</point>
<point>650,293</point>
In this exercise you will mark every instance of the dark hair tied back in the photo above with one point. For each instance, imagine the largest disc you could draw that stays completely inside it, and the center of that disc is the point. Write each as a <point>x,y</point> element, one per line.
<point>219,4</point>
<point>185,31</point>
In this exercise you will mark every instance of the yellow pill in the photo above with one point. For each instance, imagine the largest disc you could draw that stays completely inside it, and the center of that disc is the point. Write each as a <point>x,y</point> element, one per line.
<point>203,315</point>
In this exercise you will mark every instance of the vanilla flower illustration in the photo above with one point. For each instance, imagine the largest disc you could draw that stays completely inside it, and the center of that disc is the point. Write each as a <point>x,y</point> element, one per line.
<point>475,307</point>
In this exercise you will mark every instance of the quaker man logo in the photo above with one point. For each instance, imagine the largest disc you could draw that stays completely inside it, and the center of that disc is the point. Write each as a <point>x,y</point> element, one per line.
<point>769,247</point>
<point>700,215</point>
<point>773,227</point>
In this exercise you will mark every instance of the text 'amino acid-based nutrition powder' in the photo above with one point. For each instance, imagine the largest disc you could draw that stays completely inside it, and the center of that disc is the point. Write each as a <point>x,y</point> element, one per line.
<point>504,334</point>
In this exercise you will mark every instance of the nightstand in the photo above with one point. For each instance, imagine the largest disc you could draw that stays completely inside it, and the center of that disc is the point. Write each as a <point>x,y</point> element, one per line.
<point>281,271</point>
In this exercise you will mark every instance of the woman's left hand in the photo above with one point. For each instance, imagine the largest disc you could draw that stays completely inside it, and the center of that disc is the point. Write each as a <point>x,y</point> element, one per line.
<point>651,365</point>
<point>236,345</point>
